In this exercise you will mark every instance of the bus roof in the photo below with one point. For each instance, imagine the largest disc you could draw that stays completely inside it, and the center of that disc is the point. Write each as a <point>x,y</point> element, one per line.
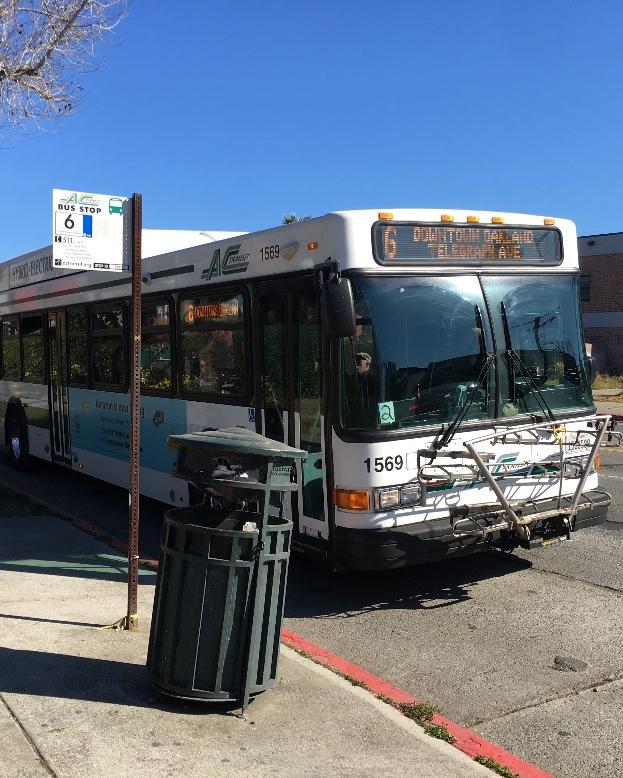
<point>36,266</point>
<point>179,259</point>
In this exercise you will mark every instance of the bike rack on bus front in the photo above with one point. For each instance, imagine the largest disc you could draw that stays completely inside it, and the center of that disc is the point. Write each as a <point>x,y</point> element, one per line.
<point>513,512</point>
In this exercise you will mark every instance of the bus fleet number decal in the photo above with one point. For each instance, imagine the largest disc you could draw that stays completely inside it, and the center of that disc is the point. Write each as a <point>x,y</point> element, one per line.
<point>269,252</point>
<point>385,463</point>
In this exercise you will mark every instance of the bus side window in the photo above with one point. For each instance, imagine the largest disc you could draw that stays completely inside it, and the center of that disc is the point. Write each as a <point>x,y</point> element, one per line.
<point>78,346</point>
<point>32,348</point>
<point>212,349</point>
<point>107,347</point>
<point>156,373</point>
<point>10,349</point>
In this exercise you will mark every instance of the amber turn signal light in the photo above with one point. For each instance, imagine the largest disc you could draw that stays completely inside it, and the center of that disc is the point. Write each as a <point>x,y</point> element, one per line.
<point>351,499</point>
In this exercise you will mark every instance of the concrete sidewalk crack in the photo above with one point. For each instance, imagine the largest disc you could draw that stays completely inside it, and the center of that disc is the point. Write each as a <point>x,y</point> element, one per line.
<point>555,697</point>
<point>29,739</point>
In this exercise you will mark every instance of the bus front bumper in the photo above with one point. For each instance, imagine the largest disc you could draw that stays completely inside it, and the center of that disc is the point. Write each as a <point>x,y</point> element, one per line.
<point>434,540</point>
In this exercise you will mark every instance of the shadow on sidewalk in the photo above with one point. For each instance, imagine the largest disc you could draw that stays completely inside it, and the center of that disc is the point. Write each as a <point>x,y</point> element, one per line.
<point>35,619</point>
<point>102,567</point>
<point>42,674</point>
<point>50,545</point>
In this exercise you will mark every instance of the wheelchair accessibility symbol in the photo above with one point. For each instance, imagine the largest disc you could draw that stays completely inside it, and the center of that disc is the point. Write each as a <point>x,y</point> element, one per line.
<point>386,413</point>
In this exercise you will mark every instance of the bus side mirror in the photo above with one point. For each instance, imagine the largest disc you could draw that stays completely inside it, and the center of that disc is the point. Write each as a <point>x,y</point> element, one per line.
<point>590,369</point>
<point>338,307</point>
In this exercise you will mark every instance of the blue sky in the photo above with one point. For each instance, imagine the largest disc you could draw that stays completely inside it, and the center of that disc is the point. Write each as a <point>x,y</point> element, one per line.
<point>227,115</point>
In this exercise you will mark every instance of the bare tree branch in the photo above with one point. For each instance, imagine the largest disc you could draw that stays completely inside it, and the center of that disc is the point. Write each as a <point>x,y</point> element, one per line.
<point>43,44</point>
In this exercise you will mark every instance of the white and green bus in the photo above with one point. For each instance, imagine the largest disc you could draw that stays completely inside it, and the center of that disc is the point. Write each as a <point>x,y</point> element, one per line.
<point>432,364</point>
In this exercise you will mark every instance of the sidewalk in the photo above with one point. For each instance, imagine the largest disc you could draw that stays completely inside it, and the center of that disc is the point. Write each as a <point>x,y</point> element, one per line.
<point>76,700</point>
<point>604,404</point>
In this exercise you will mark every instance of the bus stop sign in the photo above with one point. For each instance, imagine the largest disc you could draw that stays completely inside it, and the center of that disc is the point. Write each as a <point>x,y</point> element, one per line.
<point>88,231</point>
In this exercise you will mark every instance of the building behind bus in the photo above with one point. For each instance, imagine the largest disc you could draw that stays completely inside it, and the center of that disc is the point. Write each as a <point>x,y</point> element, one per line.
<point>601,296</point>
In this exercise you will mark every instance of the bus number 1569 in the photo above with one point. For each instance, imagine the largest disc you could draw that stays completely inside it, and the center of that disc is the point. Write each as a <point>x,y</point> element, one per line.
<point>384,463</point>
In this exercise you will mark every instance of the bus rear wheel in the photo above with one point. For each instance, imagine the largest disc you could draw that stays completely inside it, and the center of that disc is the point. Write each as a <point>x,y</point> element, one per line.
<point>17,441</point>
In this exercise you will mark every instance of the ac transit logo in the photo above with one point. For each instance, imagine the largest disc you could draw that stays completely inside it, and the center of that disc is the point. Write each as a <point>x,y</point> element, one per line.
<point>82,199</point>
<point>232,262</point>
<point>506,463</point>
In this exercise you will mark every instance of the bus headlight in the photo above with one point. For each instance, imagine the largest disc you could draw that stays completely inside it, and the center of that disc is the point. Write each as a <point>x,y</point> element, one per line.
<point>410,494</point>
<point>393,497</point>
<point>387,499</point>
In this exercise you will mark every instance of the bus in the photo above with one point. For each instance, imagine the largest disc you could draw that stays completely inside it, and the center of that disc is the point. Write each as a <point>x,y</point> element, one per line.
<point>431,364</point>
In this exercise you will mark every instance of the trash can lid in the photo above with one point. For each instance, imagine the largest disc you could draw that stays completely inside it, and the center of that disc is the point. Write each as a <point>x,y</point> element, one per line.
<point>238,440</point>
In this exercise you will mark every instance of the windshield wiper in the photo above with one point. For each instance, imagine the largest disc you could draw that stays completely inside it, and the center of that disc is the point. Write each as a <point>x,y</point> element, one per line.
<point>515,361</point>
<point>458,419</point>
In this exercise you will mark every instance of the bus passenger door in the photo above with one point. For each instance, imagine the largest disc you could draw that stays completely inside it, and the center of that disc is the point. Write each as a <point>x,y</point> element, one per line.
<point>273,373</point>
<point>291,393</point>
<point>306,412</point>
<point>57,372</point>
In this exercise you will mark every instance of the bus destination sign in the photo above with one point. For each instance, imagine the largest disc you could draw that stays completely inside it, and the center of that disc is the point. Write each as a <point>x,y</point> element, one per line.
<point>404,243</point>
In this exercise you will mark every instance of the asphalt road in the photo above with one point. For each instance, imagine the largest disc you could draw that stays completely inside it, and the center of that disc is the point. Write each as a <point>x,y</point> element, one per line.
<point>523,648</point>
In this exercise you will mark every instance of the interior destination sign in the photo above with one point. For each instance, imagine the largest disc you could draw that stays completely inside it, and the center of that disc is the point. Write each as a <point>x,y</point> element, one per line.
<point>397,243</point>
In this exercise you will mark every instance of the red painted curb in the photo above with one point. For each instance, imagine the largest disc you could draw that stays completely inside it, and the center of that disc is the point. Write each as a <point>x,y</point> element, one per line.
<point>83,526</point>
<point>467,741</point>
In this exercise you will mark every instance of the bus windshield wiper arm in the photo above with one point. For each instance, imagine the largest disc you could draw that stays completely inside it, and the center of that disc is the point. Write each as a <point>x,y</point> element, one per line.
<point>458,419</point>
<point>515,361</point>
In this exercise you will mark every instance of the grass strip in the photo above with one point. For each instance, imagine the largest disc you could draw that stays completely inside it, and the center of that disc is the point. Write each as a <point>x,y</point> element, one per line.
<point>492,764</point>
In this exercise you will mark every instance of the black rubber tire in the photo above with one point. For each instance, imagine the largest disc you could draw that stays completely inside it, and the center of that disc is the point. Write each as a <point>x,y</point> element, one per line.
<point>17,440</point>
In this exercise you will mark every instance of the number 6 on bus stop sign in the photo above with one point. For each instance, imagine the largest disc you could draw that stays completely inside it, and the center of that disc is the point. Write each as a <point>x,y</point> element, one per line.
<point>73,224</point>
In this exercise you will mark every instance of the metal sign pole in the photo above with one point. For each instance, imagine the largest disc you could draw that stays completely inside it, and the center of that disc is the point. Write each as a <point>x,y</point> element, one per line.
<point>135,415</point>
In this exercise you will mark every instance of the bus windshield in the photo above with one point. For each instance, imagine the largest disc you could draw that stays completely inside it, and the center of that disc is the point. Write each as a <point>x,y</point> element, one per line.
<point>421,343</point>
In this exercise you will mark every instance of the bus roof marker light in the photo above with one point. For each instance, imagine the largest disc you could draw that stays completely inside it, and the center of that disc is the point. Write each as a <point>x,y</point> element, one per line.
<point>473,219</point>
<point>312,246</point>
<point>497,220</point>
<point>548,222</point>
<point>446,217</point>
<point>386,216</point>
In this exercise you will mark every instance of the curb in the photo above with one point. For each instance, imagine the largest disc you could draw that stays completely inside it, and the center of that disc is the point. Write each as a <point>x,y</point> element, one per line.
<point>466,740</point>
<point>84,526</point>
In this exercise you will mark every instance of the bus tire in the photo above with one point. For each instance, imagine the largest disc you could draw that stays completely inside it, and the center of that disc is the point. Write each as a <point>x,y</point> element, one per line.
<point>17,440</point>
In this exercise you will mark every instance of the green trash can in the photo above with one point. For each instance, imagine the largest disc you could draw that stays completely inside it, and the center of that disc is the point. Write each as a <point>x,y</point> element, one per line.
<point>221,582</point>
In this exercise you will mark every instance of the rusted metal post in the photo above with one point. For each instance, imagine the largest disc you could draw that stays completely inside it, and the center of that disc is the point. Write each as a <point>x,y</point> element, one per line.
<point>135,415</point>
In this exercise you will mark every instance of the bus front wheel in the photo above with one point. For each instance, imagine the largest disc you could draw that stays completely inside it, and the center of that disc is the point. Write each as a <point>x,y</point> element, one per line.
<point>17,440</point>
